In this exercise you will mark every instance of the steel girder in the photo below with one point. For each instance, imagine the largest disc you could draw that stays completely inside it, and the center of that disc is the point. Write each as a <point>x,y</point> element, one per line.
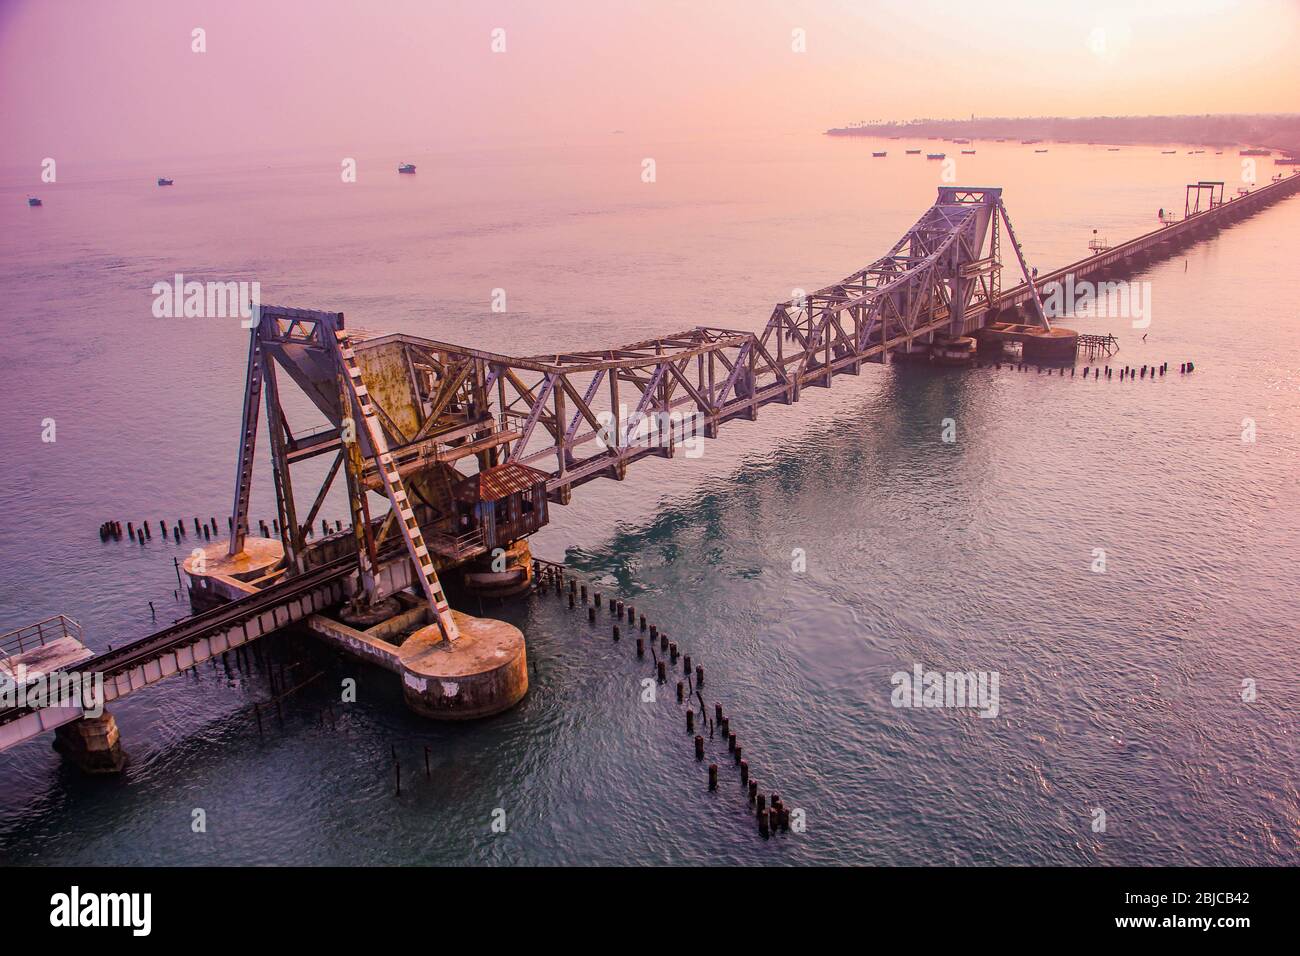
<point>582,415</point>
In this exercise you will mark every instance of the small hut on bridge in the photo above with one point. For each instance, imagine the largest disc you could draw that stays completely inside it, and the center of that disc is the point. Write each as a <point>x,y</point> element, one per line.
<point>504,503</point>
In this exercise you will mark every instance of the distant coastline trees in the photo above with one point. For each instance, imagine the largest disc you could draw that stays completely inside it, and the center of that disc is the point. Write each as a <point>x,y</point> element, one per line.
<point>1280,131</point>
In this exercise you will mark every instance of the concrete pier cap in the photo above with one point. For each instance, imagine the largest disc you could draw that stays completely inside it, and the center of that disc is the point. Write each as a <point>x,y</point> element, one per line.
<point>484,672</point>
<point>216,576</point>
<point>504,574</point>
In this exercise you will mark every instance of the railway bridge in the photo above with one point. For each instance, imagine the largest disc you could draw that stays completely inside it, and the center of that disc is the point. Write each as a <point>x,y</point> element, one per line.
<point>470,448</point>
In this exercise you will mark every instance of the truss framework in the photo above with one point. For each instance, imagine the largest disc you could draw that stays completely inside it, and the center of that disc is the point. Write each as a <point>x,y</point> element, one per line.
<point>583,415</point>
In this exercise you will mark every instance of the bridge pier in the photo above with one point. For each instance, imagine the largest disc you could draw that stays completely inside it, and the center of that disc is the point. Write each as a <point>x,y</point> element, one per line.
<point>217,577</point>
<point>93,744</point>
<point>483,672</point>
<point>504,575</point>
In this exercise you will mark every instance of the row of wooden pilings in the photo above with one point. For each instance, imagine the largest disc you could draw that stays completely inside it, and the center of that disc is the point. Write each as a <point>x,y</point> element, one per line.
<point>771,813</point>
<point>1102,371</point>
<point>143,532</point>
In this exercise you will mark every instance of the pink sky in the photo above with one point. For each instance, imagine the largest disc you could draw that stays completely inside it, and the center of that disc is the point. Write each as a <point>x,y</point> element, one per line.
<point>116,79</point>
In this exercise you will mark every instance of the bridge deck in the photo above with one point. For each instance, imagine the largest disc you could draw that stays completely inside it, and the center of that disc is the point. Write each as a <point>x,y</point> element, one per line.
<point>187,643</point>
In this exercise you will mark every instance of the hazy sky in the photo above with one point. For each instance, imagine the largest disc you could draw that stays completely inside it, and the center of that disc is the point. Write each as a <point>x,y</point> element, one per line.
<point>109,79</point>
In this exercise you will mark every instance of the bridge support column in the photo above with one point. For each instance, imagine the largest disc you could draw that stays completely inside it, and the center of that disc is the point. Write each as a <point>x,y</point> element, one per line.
<point>93,744</point>
<point>503,575</point>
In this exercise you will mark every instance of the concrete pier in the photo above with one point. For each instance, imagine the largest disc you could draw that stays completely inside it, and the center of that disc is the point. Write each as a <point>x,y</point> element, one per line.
<point>216,576</point>
<point>93,744</point>
<point>483,672</point>
<point>514,578</point>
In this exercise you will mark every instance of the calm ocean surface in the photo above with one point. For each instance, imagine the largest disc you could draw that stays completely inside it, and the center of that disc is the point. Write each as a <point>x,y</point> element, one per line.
<point>1119,692</point>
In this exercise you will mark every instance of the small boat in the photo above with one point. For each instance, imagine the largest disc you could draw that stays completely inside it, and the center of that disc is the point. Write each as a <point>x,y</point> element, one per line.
<point>1168,152</point>
<point>165,182</point>
<point>33,201</point>
<point>878,155</point>
<point>935,155</point>
<point>913,152</point>
<point>1040,151</point>
<point>962,142</point>
<point>1112,149</point>
<point>1254,152</point>
<point>1029,142</point>
<point>406,168</point>
<point>968,152</point>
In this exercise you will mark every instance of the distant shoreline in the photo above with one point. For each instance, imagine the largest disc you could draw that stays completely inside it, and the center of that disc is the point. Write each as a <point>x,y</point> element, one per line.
<point>1279,132</point>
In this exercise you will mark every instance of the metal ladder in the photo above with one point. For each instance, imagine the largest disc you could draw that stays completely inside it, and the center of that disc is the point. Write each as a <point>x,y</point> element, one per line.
<point>247,442</point>
<point>397,492</point>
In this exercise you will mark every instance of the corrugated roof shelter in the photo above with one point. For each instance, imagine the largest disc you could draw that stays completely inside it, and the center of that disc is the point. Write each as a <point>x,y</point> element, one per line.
<point>499,482</point>
<point>505,502</point>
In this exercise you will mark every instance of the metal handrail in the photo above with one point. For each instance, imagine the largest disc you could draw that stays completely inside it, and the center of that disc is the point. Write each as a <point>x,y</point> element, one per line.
<point>39,634</point>
<point>457,544</point>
